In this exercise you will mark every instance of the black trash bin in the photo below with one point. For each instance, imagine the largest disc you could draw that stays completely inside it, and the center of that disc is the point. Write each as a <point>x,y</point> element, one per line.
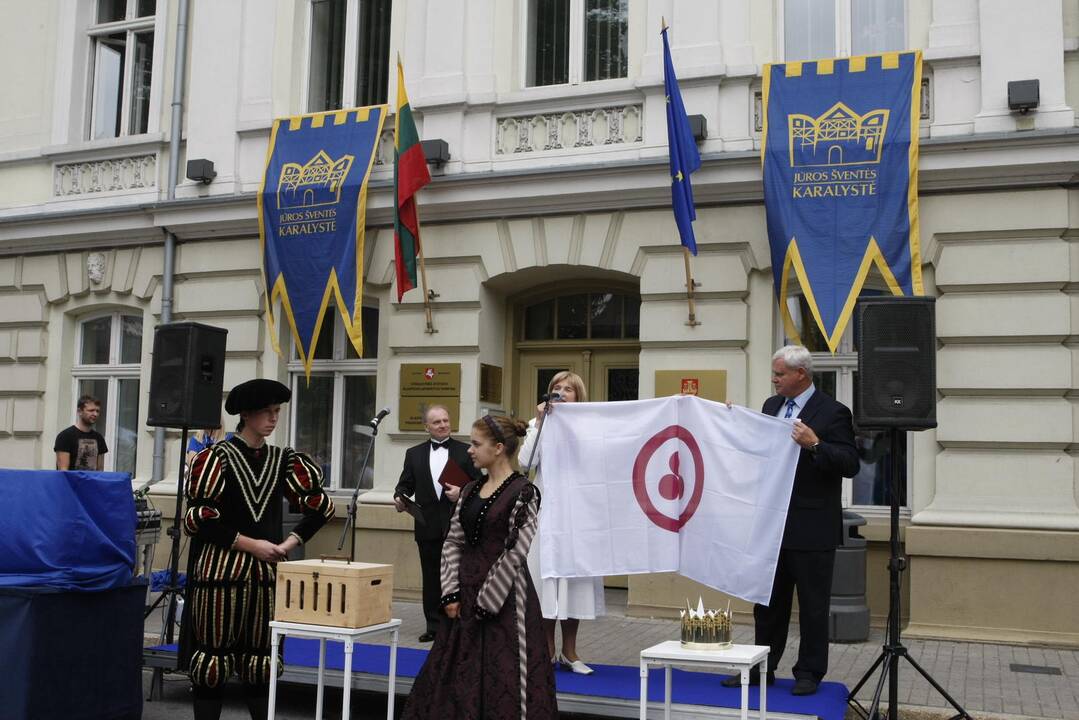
<point>848,611</point>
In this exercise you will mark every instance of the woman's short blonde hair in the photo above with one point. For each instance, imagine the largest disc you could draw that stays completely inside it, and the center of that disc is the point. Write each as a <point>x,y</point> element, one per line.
<point>572,379</point>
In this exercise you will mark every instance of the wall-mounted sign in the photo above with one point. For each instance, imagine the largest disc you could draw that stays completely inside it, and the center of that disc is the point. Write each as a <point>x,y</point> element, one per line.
<point>426,384</point>
<point>490,384</point>
<point>708,384</point>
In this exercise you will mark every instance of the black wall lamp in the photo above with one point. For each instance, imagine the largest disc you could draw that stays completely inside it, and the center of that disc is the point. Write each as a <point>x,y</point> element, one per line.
<point>436,152</point>
<point>201,170</point>
<point>698,125</point>
<point>1023,95</point>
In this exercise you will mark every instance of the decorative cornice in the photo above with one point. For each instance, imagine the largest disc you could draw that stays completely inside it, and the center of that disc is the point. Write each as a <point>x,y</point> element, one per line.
<point>570,130</point>
<point>99,176</point>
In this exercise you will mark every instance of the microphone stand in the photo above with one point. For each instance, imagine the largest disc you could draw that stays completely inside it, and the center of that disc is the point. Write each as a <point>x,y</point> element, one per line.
<point>173,593</point>
<point>350,523</point>
<point>547,400</point>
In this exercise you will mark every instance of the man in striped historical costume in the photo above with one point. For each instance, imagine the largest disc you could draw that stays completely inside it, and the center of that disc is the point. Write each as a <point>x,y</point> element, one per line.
<point>234,506</point>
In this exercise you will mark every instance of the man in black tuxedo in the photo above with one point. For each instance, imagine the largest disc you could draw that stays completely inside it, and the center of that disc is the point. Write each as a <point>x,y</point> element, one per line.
<point>825,431</point>
<point>424,465</point>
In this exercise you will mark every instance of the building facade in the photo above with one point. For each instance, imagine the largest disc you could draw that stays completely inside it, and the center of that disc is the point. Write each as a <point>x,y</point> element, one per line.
<point>550,244</point>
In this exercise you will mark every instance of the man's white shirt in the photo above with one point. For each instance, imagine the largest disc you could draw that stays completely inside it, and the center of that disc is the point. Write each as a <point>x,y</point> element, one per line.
<point>799,403</point>
<point>438,457</point>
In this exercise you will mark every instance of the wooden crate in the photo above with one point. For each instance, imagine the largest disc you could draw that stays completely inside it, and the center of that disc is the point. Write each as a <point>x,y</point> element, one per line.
<point>333,592</point>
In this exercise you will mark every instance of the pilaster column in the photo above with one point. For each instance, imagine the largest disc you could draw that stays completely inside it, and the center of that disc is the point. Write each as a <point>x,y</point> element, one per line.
<point>953,56</point>
<point>1021,42</point>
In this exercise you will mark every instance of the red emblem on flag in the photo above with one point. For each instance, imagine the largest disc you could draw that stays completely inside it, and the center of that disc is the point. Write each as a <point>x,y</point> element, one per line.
<point>671,486</point>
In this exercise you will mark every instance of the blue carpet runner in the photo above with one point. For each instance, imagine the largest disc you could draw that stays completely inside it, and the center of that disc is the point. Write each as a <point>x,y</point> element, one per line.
<point>609,681</point>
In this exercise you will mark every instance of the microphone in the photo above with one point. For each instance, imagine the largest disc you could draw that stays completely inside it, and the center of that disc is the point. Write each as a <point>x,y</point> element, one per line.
<point>548,399</point>
<point>378,418</point>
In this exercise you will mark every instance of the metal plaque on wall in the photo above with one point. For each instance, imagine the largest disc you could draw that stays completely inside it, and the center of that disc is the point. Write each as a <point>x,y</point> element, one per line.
<point>708,384</point>
<point>426,384</point>
<point>490,384</point>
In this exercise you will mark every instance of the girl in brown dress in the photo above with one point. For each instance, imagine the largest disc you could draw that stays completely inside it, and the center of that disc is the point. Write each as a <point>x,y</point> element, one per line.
<point>490,657</point>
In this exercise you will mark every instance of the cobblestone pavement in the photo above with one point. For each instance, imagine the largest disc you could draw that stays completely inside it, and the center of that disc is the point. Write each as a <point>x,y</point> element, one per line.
<point>980,676</point>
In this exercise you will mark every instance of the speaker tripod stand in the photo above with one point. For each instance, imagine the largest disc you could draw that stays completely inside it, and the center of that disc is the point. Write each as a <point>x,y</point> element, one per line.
<point>893,649</point>
<point>174,592</point>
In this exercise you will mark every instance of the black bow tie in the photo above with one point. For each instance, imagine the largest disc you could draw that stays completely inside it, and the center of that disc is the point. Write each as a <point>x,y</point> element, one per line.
<point>438,445</point>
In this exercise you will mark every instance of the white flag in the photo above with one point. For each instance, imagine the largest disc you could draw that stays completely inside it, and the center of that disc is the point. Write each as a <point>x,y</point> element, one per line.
<point>672,484</point>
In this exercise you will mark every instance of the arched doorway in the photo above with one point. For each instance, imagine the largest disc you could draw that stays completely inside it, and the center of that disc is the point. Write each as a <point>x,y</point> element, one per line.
<point>593,332</point>
<point>592,329</point>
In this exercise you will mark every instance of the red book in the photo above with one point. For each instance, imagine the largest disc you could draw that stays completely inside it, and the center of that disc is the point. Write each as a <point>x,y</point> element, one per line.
<point>453,475</point>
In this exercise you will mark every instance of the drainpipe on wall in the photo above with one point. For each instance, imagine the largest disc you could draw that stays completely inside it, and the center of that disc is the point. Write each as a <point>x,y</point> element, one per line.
<point>175,133</point>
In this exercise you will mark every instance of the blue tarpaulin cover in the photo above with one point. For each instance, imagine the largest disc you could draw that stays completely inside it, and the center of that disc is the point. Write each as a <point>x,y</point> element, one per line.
<point>70,530</point>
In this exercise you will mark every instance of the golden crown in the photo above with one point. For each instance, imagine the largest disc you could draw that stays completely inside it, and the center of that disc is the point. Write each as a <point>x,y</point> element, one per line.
<point>706,629</point>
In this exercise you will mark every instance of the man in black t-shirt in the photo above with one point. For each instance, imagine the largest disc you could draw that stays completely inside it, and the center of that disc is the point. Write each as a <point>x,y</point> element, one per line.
<point>80,447</point>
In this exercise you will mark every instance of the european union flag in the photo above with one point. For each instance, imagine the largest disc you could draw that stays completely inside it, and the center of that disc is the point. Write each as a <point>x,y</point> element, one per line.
<point>312,210</point>
<point>685,159</point>
<point>840,162</point>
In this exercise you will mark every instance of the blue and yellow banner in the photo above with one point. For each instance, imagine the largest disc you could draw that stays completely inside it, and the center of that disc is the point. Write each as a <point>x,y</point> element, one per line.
<point>840,163</point>
<point>312,208</point>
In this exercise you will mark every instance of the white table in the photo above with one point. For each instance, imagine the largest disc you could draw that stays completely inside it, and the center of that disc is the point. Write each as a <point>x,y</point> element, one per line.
<point>348,636</point>
<point>741,658</point>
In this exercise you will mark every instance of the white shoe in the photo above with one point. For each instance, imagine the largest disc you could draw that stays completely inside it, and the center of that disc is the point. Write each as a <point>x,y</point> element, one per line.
<point>576,666</point>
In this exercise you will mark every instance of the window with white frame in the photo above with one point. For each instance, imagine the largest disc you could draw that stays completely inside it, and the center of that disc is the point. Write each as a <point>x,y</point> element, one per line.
<point>331,410</point>
<point>573,41</point>
<point>107,366</point>
<point>121,63</point>
<point>349,61</point>
<point>811,29</point>
<point>836,375</point>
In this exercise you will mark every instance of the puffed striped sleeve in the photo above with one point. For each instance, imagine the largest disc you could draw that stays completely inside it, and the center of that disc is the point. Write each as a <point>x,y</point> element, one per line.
<point>304,478</point>
<point>451,554</point>
<point>204,487</point>
<point>510,564</point>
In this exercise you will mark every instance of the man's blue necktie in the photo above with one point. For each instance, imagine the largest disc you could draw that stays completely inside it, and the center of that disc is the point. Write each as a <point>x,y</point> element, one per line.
<point>790,408</point>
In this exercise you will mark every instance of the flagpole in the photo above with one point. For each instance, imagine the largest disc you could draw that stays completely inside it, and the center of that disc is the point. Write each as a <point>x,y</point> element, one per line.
<point>427,294</point>
<point>690,284</point>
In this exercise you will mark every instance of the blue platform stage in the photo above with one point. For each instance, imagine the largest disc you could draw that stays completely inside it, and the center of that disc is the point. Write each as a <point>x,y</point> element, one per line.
<point>612,691</point>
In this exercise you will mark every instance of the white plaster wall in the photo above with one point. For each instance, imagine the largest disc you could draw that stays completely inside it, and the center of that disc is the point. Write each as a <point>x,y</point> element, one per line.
<point>1022,45</point>
<point>30,37</point>
<point>1003,271</point>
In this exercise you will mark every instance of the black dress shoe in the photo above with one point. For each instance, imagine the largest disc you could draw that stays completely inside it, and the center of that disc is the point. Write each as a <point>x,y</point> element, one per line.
<point>804,686</point>
<point>734,681</point>
<point>428,636</point>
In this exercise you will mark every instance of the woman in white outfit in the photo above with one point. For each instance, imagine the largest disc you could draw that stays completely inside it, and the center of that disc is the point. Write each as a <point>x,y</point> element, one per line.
<point>568,600</point>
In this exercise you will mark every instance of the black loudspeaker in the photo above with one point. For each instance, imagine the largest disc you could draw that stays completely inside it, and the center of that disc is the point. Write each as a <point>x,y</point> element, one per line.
<point>897,363</point>
<point>187,375</point>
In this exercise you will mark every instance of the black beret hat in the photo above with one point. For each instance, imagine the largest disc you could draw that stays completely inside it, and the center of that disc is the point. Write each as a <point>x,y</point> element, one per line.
<point>255,395</point>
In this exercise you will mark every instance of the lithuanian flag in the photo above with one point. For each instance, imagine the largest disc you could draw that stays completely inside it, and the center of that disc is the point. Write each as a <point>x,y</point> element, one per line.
<point>409,175</point>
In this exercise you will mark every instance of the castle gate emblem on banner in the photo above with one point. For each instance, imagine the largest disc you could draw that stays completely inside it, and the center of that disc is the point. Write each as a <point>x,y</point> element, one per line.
<point>317,182</point>
<point>839,136</point>
<point>832,155</point>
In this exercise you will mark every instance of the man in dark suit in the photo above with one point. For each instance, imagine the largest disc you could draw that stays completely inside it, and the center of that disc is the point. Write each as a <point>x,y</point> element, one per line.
<point>425,464</point>
<point>825,431</point>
